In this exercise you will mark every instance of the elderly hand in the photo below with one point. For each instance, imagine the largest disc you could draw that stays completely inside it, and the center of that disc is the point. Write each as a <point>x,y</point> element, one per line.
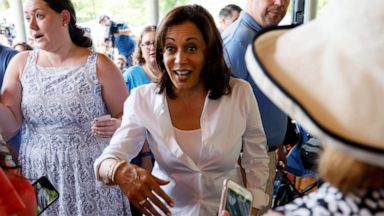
<point>140,187</point>
<point>105,128</point>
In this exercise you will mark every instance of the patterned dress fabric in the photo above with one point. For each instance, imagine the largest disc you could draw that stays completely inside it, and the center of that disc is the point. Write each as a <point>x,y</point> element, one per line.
<point>58,106</point>
<point>328,200</point>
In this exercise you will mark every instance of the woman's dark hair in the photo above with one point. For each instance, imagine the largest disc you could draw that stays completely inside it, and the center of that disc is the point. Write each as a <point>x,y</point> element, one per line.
<point>138,55</point>
<point>215,74</point>
<point>76,33</point>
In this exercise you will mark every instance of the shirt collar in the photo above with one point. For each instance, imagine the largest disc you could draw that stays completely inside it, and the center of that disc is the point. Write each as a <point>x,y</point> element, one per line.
<point>250,21</point>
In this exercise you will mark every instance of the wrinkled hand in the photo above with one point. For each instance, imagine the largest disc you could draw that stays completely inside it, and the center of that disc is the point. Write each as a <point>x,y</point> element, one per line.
<point>106,128</point>
<point>140,187</point>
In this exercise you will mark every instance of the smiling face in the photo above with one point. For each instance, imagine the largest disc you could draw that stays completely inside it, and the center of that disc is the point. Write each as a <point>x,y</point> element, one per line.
<point>46,26</point>
<point>184,56</point>
<point>267,12</point>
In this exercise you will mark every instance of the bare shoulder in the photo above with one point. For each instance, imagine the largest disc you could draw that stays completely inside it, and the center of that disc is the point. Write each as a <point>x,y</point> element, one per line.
<point>103,60</point>
<point>17,63</point>
<point>105,67</point>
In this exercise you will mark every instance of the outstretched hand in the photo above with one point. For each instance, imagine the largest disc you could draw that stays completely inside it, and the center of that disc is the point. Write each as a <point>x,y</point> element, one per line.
<point>140,187</point>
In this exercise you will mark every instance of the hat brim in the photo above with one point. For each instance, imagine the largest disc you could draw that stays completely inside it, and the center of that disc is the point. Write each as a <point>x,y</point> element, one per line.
<point>278,68</point>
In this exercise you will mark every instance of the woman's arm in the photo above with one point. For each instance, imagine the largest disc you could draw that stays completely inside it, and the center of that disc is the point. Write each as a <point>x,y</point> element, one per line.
<point>114,94</point>
<point>114,90</point>
<point>136,183</point>
<point>10,106</point>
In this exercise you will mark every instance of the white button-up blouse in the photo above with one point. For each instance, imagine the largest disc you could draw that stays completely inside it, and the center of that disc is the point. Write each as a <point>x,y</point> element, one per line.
<point>228,124</point>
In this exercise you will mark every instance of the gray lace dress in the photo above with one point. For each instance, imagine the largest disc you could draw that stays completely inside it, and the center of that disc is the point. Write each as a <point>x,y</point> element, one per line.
<point>58,105</point>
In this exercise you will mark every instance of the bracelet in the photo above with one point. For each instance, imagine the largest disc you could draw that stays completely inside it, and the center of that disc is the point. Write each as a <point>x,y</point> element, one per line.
<point>115,169</point>
<point>110,170</point>
<point>145,154</point>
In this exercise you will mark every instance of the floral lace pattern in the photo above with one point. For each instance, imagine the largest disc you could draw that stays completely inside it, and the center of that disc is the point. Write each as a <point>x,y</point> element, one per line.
<point>327,200</point>
<point>58,105</point>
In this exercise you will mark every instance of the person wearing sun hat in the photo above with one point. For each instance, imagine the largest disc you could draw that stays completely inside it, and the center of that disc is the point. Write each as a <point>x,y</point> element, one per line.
<point>328,75</point>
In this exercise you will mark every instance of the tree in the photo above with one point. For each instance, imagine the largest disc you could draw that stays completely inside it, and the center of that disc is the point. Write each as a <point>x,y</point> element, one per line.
<point>4,4</point>
<point>134,12</point>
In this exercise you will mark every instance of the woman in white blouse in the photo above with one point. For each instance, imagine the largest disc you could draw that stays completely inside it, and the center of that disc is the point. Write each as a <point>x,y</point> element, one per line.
<point>197,119</point>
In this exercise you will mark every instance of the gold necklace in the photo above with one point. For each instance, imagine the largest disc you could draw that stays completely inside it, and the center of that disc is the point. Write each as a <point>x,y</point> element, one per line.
<point>154,76</point>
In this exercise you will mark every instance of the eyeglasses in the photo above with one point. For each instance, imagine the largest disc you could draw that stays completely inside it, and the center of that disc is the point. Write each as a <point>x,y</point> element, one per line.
<point>148,44</point>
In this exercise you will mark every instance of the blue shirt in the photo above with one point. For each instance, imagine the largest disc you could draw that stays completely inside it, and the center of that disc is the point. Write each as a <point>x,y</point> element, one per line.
<point>124,43</point>
<point>6,54</point>
<point>236,39</point>
<point>135,76</point>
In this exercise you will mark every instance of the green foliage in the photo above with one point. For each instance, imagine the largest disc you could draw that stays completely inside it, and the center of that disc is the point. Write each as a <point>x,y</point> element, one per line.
<point>320,6</point>
<point>133,12</point>
<point>4,4</point>
<point>167,5</point>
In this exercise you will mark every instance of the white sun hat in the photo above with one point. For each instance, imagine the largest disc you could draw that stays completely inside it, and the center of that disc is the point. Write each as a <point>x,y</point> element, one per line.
<point>328,75</point>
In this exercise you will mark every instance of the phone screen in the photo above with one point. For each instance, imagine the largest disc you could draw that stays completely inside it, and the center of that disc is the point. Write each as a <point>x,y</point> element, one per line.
<point>46,194</point>
<point>236,199</point>
<point>237,204</point>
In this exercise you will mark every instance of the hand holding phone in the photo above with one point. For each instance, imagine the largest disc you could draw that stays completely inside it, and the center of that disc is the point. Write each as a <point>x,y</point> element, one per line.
<point>46,194</point>
<point>235,199</point>
<point>103,118</point>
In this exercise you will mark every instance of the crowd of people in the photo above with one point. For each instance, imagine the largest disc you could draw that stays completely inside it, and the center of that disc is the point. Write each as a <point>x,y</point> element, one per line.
<point>156,129</point>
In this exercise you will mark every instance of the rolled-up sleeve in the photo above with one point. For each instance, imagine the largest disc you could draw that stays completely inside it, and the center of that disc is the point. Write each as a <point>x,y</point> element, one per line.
<point>128,140</point>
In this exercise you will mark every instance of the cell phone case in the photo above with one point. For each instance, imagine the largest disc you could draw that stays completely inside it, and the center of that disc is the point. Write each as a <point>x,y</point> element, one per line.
<point>235,199</point>
<point>46,194</point>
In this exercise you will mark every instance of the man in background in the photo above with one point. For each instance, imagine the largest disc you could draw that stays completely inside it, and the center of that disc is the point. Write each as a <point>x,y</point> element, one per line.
<point>235,11</point>
<point>225,19</point>
<point>119,35</point>
<point>228,15</point>
<point>258,14</point>
<point>6,54</point>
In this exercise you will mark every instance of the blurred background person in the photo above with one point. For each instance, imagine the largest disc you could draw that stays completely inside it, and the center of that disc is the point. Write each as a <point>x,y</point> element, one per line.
<point>55,93</point>
<point>145,69</point>
<point>235,11</point>
<point>22,46</point>
<point>121,63</point>
<point>119,35</point>
<point>225,19</point>
<point>6,54</point>
<point>184,117</point>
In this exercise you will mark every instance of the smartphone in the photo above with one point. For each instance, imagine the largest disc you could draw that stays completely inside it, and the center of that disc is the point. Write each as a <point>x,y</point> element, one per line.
<point>46,194</point>
<point>103,118</point>
<point>235,199</point>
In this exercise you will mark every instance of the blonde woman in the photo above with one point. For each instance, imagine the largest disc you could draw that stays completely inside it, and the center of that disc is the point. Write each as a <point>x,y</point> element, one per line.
<point>145,69</point>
